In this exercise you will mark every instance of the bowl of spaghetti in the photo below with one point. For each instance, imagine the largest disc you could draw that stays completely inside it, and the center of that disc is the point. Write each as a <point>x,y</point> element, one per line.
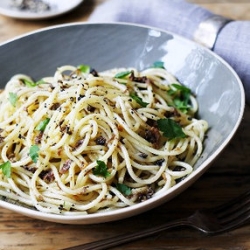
<point>96,129</point>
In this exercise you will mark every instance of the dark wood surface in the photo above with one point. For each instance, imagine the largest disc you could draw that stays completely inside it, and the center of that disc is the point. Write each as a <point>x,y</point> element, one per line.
<point>228,177</point>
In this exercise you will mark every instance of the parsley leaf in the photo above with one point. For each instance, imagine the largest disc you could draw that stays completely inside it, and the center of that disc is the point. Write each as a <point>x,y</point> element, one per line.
<point>158,64</point>
<point>13,98</point>
<point>40,82</point>
<point>42,124</point>
<point>181,96</point>
<point>123,74</point>
<point>124,189</point>
<point>6,169</point>
<point>138,99</point>
<point>84,68</point>
<point>170,128</point>
<point>32,84</point>
<point>101,169</point>
<point>33,153</point>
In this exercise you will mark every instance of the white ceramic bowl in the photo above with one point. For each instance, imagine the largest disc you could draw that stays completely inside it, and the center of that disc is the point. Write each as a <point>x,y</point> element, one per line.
<point>104,46</point>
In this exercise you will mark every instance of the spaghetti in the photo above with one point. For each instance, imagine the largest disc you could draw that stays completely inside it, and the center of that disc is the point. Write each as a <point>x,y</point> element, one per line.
<point>83,142</point>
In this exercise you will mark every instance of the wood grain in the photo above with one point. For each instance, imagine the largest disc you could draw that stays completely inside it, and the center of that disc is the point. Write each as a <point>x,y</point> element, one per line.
<point>227,177</point>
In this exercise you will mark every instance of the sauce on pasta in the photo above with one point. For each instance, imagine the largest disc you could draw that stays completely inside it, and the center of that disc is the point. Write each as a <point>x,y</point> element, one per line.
<point>83,141</point>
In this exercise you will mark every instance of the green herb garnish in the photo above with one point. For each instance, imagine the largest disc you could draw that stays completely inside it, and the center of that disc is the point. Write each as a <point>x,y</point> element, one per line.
<point>138,99</point>
<point>101,169</point>
<point>33,153</point>
<point>39,82</point>
<point>170,128</point>
<point>181,96</point>
<point>13,98</point>
<point>123,74</point>
<point>42,124</point>
<point>84,68</point>
<point>158,64</point>
<point>32,84</point>
<point>124,189</point>
<point>6,169</point>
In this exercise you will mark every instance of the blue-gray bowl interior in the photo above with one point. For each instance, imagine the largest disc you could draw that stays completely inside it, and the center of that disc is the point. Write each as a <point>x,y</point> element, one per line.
<point>105,46</point>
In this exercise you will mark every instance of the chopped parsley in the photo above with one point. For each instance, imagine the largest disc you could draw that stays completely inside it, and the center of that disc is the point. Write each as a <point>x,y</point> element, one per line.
<point>13,98</point>
<point>170,128</point>
<point>123,74</point>
<point>101,169</point>
<point>40,82</point>
<point>6,169</point>
<point>138,99</point>
<point>124,189</point>
<point>32,84</point>
<point>84,68</point>
<point>158,64</point>
<point>42,124</point>
<point>33,153</point>
<point>181,96</point>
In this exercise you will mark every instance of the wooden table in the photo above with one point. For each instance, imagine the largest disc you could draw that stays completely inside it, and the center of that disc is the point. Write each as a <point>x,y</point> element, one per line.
<point>227,177</point>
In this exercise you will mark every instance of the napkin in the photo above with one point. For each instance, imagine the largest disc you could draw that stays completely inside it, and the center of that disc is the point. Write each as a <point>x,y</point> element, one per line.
<point>183,18</point>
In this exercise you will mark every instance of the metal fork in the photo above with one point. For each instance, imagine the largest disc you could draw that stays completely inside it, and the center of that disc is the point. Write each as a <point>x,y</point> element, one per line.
<point>211,221</point>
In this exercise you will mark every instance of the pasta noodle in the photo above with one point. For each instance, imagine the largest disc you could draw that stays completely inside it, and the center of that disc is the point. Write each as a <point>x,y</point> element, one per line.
<point>83,141</point>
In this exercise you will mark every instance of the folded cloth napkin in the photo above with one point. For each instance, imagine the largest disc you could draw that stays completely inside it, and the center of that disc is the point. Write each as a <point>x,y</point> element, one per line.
<point>183,18</point>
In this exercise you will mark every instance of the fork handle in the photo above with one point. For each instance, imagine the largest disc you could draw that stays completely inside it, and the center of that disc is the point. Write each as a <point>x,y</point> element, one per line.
<point>125,238</point>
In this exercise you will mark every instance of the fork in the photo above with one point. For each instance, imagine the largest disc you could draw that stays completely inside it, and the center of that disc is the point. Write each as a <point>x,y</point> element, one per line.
<point>223,218</point>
